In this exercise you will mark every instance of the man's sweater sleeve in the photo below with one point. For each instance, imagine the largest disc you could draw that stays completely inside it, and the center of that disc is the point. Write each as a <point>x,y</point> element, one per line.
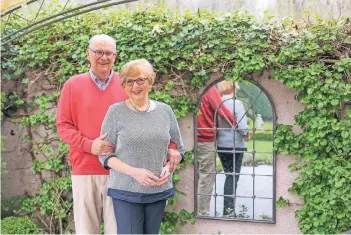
<point>66,129</point>
<point>216,102</point>
<point>172,146</point>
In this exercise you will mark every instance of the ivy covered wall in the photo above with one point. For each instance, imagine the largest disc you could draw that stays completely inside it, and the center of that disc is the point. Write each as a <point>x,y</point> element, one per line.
<point>313,57</point>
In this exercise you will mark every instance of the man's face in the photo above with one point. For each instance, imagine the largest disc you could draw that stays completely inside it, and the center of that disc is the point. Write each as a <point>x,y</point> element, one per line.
<point>101,65</point>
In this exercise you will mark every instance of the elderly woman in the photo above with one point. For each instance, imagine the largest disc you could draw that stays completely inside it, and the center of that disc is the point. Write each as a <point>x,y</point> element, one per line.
<point>229,140</point>
<point>141,130</point>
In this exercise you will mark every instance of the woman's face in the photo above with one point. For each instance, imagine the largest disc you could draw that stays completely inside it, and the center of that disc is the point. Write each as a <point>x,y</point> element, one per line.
<point>137,88</point>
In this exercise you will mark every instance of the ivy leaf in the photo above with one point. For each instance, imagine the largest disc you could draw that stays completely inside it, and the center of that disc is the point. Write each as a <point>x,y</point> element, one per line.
<point>334,102</point>
<point>345,134</point>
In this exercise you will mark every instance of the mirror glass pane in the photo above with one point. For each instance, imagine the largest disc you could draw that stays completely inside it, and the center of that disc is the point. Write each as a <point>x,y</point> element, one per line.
<point>234,153</point>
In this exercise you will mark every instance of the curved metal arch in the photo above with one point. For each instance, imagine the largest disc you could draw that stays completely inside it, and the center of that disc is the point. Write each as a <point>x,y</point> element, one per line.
<point>274,121</point>
<point>9,36</point>
<point>245,79</point>
<point>8,7</point>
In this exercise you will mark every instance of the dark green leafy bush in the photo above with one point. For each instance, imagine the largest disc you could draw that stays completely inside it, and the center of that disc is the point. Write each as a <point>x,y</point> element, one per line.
<point>18,225</point>
<point>10,205</point>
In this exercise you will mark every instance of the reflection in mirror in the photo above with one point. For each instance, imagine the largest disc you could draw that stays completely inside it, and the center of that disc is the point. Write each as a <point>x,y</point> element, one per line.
<point>234,153</point>
<point>263,185</point>
<point>263,209</point>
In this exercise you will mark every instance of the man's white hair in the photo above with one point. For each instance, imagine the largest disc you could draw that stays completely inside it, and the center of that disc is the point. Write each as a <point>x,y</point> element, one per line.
<point>101,37</point>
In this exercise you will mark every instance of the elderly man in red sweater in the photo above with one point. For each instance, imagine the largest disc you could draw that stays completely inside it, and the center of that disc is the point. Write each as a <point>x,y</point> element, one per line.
<point>210,107</point>
<point>84,101</point>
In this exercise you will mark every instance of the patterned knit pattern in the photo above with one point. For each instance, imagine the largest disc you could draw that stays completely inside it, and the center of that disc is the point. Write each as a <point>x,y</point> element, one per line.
<point>141,140</point>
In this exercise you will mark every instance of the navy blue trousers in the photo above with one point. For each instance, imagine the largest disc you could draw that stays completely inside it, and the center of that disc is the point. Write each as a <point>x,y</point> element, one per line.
<point>137,218</point>
<point>227,160</point>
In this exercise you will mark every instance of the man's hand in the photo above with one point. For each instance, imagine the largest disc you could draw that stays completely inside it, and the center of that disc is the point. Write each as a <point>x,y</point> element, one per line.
<point>165,173</point>
<point>173,158</point>
<point>247,137</point>
<point>101,147</point>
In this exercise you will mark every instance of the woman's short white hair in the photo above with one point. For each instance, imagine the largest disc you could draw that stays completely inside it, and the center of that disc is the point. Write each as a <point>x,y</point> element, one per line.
<point>136,68</point>
<point>101,37</point>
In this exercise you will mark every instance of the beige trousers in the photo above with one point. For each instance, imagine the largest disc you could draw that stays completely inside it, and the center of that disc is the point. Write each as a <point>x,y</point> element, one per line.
<point>91,204</point>
<point>206,160</point>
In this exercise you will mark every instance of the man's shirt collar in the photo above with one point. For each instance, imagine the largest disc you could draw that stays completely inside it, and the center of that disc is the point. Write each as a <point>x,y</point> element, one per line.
<point>101,85</point>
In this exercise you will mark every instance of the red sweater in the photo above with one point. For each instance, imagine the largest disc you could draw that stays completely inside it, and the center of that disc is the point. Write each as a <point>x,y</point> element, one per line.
<point>81,109</point>
<point>211,102</point>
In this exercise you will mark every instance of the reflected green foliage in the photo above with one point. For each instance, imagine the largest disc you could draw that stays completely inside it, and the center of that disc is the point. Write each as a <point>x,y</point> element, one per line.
<point>249,93</point>
<point>260,145</point>
<point>243,212</point>
<point>265,217</point>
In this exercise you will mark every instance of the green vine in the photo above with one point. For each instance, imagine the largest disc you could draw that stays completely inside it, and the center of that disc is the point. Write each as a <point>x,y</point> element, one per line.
<point>186,48</point>
<point>281,202</point>
<point>3,138</point>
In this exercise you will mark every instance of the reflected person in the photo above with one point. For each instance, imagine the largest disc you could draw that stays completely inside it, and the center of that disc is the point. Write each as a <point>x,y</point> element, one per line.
<point>227,140</point>
<point>206,151</point>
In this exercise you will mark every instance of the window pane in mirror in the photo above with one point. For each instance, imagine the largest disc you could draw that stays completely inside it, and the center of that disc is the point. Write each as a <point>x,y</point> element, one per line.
<point>263,209</point>
<point>263,186</point>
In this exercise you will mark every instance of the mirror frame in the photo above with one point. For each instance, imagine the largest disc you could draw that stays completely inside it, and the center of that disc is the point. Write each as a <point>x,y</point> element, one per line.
<point>274,121</point>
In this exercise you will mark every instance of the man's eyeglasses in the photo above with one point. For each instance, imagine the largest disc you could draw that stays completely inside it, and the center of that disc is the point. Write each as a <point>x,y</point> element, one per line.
<point>139,81</point>
<point>100,53</point>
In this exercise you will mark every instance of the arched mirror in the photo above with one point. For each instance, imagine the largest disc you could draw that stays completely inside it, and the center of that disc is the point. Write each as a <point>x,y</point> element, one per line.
<point>234,157</point>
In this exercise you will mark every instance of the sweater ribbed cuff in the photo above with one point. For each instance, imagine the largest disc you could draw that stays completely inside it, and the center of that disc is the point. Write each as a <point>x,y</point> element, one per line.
<point>87,145</point>
<point>105,162</point>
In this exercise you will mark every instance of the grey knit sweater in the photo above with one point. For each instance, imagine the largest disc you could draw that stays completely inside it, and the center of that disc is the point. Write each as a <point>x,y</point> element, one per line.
<point>141,140</point>
<point>225,137</point>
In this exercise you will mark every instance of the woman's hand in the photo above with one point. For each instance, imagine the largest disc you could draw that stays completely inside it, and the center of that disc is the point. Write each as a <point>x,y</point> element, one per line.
<point>145,177</point>
<point>165,173</point>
